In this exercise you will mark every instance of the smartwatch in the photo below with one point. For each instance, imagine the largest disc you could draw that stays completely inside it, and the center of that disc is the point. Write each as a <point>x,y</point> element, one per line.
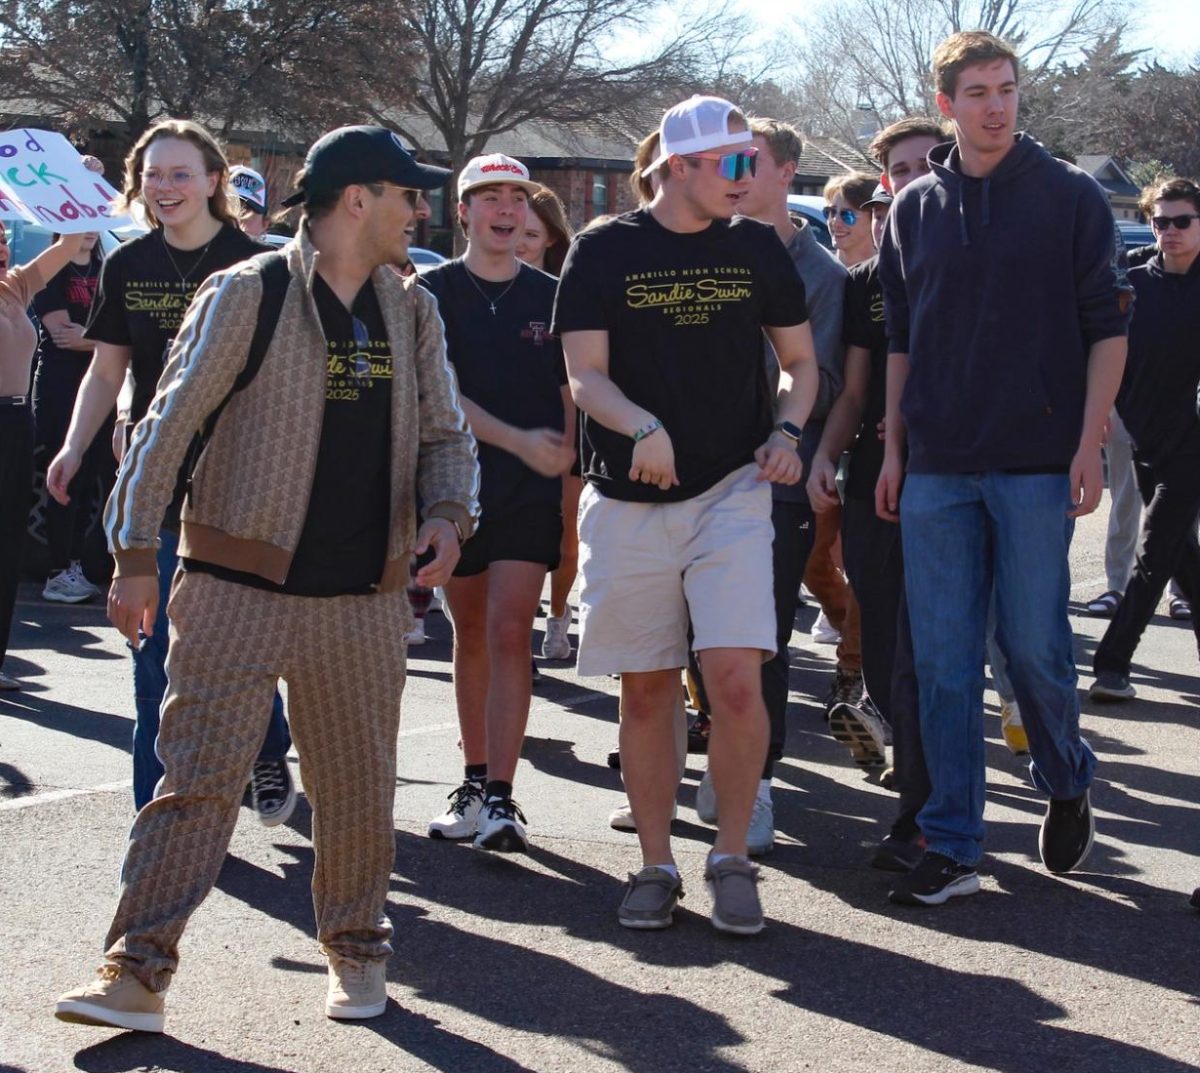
<point>792,432</point>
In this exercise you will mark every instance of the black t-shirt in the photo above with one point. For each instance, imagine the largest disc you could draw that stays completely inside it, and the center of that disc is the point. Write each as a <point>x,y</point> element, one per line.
<point>509,364</point>
<point>684,315</point>
<point>144,291</point>
<point>343,544</point>
<point>72,290</point>
<point>863,326</point>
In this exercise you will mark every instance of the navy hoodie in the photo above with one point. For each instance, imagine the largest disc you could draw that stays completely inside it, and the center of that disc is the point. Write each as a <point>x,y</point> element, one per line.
<point>1157,400</point>
<point>996,288</point>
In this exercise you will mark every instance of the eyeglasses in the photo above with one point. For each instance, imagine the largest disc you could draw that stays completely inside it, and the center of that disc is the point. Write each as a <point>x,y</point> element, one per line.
<point>174,177</point>
<point>413,197</point>
<point>359,361</point>
<point>1180,223</point>
<point>848,216</point>
<point>731,166</point>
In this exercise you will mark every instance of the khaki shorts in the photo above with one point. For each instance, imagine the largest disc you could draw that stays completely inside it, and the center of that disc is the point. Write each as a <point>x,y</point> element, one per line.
<point>648,567</point>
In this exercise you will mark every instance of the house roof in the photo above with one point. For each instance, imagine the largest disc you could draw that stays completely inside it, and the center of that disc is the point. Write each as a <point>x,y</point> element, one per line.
<point>1109,174</point>
<point>533,141</point>
<point>823,157</point>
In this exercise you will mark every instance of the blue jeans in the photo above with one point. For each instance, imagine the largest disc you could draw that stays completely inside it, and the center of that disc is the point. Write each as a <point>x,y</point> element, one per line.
<point>150,686</point>
<point>965,534</point>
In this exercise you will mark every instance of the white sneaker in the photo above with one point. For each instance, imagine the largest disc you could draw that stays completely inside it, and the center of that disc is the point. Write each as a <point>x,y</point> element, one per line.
<point>461,819</point>
<point>621,818</point>
<point>416,636</point>
<point>437,600</point>
<point>502,827</point>
<point>556,644</point>
<point>357,989</point>
<point>706,800</point>
<point>760,838</point>
<point>823,632</point>
<point>69,586</point>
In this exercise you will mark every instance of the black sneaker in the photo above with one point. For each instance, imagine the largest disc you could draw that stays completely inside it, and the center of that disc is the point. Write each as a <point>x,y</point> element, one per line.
<point>1194,901</point>
<point>846,688</point>
<point>935,880</point>
<point>1112,686</point>
<point>272,791</point>
<point>1067,833</point>
<point>899,852</point>
<point>697,735</point>
<point>501,827</point>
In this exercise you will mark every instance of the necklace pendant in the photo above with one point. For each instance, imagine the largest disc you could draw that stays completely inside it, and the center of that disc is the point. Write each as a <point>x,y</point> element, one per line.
<point>493,308</point>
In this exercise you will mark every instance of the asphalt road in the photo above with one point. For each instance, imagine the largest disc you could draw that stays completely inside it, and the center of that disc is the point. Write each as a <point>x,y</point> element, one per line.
<point>507,965</point>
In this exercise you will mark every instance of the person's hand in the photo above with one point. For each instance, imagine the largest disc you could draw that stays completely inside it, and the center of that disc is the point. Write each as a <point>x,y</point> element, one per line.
<point>67,336</point>
<point>132,605</point>
<point>777,460</point>
<point>60,474</point>
<point>653,460</point>
<point>545,451</point>
<point>1087,481</point>
<point>439,535</point>
<point>887,489</point>
<point>822,484</point>
<point>92,163</point>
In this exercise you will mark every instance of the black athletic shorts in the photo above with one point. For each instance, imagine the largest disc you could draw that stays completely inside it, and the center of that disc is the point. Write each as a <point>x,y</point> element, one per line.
<point>531,534</point>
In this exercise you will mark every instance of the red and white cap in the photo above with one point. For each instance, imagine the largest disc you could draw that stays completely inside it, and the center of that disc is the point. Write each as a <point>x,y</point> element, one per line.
<point>695,126</point>
<point>494,168</point>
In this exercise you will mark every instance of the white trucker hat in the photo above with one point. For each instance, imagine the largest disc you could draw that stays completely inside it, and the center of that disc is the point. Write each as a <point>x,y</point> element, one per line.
<point>695,126</point>
<point>250,187</point>
<point>494,168</point>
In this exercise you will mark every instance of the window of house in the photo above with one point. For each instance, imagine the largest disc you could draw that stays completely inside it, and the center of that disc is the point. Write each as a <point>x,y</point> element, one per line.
<point>598,205</point>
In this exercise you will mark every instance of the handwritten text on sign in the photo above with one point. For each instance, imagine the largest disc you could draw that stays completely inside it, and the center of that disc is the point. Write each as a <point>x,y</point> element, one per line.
<point>43,179</point>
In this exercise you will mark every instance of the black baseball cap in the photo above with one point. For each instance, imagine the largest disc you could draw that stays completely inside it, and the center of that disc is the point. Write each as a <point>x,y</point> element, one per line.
<point>881,196</point>
<point>351,155</point>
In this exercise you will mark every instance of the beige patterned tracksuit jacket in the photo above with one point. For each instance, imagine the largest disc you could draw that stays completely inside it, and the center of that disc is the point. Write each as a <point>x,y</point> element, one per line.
<point>342,656</point>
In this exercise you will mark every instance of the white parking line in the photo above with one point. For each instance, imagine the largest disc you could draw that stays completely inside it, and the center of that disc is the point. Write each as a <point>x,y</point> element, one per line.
<point>51,796</point>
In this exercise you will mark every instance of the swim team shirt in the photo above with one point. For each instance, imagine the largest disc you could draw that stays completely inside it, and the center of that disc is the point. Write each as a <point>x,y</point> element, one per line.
<point>509,364</point>
<point>343,542</point>
<point>684,315</point>
<point>143,296</point>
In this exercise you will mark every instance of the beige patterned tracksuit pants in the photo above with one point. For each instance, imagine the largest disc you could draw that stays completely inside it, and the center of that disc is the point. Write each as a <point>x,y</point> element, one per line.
<point>343,660</point>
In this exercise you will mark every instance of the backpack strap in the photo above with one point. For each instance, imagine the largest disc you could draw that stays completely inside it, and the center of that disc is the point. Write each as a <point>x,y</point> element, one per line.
<point>273,268</point>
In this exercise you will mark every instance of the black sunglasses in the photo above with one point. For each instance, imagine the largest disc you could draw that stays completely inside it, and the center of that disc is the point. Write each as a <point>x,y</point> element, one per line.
<point>1180,223</point>
<point>848,216</point>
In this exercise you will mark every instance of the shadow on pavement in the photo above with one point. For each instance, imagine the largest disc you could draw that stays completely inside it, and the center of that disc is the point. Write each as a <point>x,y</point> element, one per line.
<point>132,1050</point>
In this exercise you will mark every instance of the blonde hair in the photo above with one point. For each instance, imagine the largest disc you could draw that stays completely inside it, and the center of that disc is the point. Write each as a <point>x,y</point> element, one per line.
<point>183,130</point>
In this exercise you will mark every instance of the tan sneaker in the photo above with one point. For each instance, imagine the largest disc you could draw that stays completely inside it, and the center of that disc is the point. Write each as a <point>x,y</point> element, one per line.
<point>116,998</point>
<point>357,989</point>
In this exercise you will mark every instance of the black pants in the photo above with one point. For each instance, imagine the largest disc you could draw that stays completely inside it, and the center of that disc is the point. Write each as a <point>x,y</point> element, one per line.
<point>790,549</point>
<point>1168,546</point>
<point>874,562</point>
<point>16,493</point>
<point>55,385</point>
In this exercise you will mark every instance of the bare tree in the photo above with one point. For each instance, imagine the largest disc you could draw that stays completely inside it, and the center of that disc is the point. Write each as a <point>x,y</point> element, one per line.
<point>858,56</point>
<point>290,64</point>
<point>491,65</point>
